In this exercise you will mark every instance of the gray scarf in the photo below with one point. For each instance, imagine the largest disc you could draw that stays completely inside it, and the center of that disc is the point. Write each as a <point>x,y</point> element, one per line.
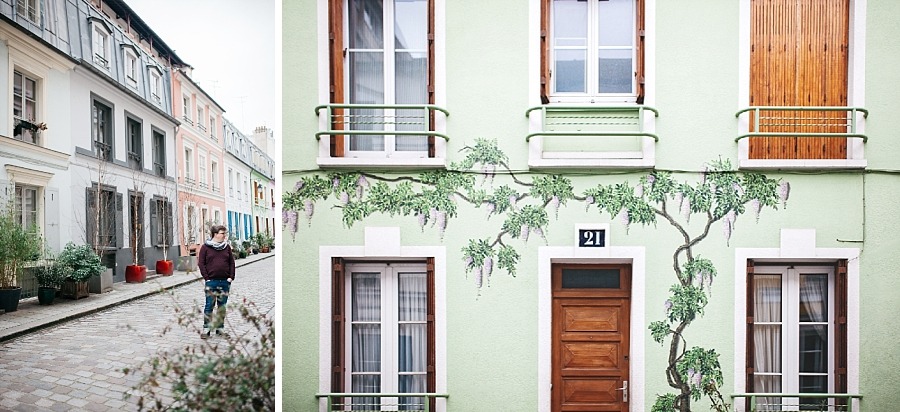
<point>216,246</point>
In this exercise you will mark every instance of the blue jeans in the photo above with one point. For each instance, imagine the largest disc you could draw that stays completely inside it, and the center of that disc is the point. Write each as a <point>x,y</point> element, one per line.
<point>216,295</point>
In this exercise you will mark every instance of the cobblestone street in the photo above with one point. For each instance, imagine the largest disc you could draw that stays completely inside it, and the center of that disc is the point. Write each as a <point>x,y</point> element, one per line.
<point>77,365</point>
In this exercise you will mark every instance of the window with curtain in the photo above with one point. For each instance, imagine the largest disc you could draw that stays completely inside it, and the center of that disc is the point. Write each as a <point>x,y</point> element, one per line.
<point>388,333</point>
<point>102,131</point>
<point>26,207</point>
<point>793,335</point>
<point>25,107</point>
<point>594,51</point>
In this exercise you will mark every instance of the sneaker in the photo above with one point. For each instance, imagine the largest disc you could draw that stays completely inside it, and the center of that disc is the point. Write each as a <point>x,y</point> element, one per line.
<point>204,334</point>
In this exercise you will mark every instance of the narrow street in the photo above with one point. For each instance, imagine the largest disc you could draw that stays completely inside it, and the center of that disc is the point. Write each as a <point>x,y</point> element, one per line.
<point>77,365</point>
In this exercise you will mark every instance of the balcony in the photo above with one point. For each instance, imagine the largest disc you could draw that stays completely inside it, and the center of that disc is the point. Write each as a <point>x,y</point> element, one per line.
<point>591,137</point>
<point>381,135</point>
<point>759,402</point>
<point>421,402</point>
<point>801,137</point>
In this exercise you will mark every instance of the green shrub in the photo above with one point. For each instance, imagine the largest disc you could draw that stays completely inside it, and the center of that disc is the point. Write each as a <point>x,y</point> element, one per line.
<point>81,262</point>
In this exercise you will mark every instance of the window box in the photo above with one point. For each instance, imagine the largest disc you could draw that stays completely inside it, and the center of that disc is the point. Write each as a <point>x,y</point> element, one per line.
<point>801,137</point>
<point>399,135</point>
<point>564,136</point>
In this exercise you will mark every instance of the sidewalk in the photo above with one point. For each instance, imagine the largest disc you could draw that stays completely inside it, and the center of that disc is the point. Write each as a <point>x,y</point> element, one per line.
<point>31,316</point>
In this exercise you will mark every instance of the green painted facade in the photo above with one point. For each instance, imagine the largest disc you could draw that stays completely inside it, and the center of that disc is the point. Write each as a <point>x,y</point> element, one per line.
<point>492,345</point>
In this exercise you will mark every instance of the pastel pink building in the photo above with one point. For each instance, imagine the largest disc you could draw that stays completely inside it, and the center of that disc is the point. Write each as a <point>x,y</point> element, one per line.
<point>199,153</point>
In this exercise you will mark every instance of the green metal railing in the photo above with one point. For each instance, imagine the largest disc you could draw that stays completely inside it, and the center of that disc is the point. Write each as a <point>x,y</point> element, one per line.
<point>413,115</point>
<point>825,402</point>
<point>795,125</point>
<point>623,120</point>
<point>417,402</point>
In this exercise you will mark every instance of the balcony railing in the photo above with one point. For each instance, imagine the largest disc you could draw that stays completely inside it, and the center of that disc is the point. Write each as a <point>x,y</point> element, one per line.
<point>591,136</point>
<point>803,121</point>
<point>393,122</point>
<point>420,402</point>
<point>823,402</point>
<point>802,136</point>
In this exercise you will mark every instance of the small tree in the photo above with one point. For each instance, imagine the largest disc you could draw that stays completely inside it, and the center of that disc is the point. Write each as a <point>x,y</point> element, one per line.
<point>234,374</point>
<point>18,245</point>
<point>136,218</point>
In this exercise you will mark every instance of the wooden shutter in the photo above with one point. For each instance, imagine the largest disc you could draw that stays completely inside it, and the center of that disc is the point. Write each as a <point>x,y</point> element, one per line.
<point>336,74</point>
<point>431,150</point>
<point>798,57</point>
<point>545,51</point>
<point>432,386</point>
<point>337,326</point>
<point>840,327</point>
<point>639,50</point>
<point>751,348</point>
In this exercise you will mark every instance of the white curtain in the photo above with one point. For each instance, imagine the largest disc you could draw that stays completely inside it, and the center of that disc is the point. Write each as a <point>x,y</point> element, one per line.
<point>767,338</point>
<point>412,337</point>
<point>366,338</point>
<point>366,71</point>
<point>411,70</point>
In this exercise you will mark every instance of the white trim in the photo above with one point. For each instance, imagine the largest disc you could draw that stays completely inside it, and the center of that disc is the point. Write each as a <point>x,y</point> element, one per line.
<point>788,251</point>
<point>439,253</point>
<point>856,85</point>
<point>634,255</point>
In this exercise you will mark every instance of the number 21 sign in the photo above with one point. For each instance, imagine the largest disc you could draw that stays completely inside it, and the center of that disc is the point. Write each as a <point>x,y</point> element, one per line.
<point>591,237</point>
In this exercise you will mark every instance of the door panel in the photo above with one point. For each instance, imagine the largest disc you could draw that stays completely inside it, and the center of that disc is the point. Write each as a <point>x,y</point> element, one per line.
<point>590,339</point>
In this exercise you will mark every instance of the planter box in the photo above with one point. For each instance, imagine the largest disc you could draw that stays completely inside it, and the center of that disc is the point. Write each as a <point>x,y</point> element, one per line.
<point>135,273</point>
<point>75,290</point>
<point>102,283</point>
<point>9,299</point>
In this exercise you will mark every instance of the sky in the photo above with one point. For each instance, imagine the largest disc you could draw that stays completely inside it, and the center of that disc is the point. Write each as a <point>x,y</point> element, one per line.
<point>232,46</point>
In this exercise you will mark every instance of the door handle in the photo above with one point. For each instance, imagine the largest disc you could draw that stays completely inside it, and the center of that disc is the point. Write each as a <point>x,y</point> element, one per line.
<point>624,390</point>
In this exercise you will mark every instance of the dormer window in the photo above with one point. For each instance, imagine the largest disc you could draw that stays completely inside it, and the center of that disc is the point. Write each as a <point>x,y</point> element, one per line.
<point>100,42</point>
<point>131,65</point>
<point>28,9</point>
<point>155,84</point>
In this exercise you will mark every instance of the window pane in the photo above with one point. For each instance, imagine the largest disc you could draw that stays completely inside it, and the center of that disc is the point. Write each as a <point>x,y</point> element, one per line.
<point>814,384</point>
<point>366,348</point>
<point>767,384</point>
<point>767,345</point>
<point>412,344</point>
<point>366,24</point>
<point>570,70</point>
<point>366,298</point>
<point>767,298</point>
<point>814,348</point>
<point>813,298</point>
<point>411,87</point>
<point>366,384</point>
<point>570,23</point>
<point>590,278</point>
<point>413,298</point>
<point>616,71</point>
<point>616,23</point>
<point>411,24</point>
<point>412,384</point>
<point>366,87</point>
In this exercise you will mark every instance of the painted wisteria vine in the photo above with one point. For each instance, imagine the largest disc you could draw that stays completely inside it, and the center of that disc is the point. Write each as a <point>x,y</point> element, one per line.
<point>526,207</point>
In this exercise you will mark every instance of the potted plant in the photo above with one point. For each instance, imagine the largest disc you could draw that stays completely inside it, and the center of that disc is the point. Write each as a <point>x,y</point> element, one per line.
<point>81,263</point>
<point>164,267</point>
<point>135,272</point>
<point>264,242</point>
<point>236,247</point>
<point>18,245</point>
<point>50,277</point>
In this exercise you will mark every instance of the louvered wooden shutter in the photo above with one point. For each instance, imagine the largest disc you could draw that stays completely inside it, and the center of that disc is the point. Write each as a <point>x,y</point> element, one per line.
<point>639,52</point>
<point>432,357</point>
<point>798,57</point>
<point>337,326</point>
<point>750,356</point>
<point>840,327</point>
<point>545,50</point>
<point>336,74</point>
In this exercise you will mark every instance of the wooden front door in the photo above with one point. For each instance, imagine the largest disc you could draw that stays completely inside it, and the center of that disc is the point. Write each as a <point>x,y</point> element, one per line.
<point>591,314</point>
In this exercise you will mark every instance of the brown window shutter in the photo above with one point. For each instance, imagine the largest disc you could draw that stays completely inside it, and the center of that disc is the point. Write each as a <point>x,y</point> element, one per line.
<point>432,386</point>
<point>336,75</point>
<point>639,46</point>
<point>751,349</point>
<point>840,327</point>
<point>337,325</point>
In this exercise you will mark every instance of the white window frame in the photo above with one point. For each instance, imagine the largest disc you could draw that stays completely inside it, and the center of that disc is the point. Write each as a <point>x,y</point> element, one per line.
<point>155,84</point>
<point>239,179</point>
<point>19,201</point>
<point>29,10</point>
<point>388,319</point>
<point>592,93</point>
<point>212,127</point>
<point>383,243</point>
<point>796,245</point>
<point>200,118</point>
<point>130,66</point>
<point>100,44</point>
<point>186,109</point>
<point>213,174</point>
<point>790,324</point>
<point>230,182</point>
<point>201,163</point>
<point>188,165</point>
<point>36,99</point>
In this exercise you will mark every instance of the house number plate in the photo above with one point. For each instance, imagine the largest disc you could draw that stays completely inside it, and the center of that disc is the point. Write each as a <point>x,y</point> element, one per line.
<point>591,238</point>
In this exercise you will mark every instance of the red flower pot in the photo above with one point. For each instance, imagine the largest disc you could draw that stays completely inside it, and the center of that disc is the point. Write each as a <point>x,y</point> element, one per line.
<point>135,273</point>
<point>165,267</point>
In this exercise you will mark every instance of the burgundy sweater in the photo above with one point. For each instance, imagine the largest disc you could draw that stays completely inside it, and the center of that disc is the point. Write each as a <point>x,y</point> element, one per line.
<point>216,264</point>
